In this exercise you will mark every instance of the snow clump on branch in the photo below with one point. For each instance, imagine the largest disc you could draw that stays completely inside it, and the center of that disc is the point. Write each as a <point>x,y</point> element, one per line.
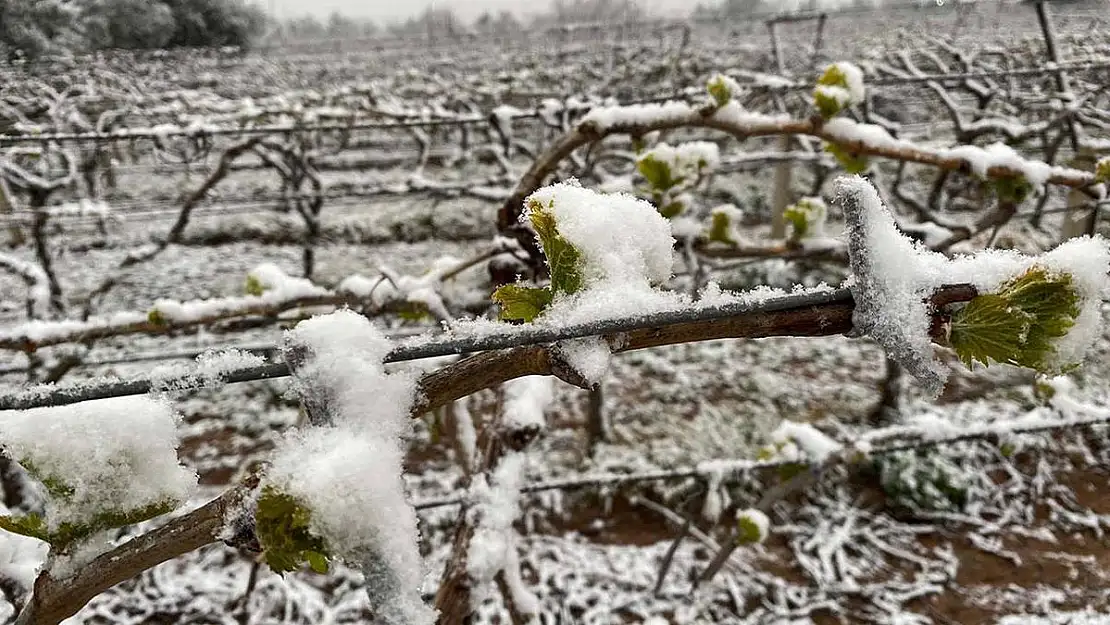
<point>493,548</point>
<point>344,472</point>
<point>621,238</point>
<point>103,464</point>
<point>686,160</point>
<point>1039,312</point>
<point>605,254</point>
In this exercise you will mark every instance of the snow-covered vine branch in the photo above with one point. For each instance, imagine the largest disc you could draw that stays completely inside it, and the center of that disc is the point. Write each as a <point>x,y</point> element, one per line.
<point>996,162</point>
<point>516,351</point>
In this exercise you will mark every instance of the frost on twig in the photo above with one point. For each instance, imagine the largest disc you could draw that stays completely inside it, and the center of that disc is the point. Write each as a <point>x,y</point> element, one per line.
<point>208,370</point>
<point>589,357</point>
<point>334,490</point>
<point>420,296</point>
<point>1038,312</point>
<point>484,545</point>
<point>39,298</point>
<point>268,292</point>
<point>813,445</point>
<point>492,551</point>
<point>526,403</point>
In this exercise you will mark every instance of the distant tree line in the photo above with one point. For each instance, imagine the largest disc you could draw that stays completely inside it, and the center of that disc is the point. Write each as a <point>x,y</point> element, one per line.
<point>30,28</point>
<point>442,22</point>
<point>34,27</point>
<point>739,8</point>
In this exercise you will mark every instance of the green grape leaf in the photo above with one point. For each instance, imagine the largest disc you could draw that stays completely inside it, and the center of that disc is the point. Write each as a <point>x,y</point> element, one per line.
<point>55,486</point>
<point>674,209</point>
<point>833,77</point>
<point>1052,301</point>
<point>155,317</point>
<point>852,162</point>
<point>1018,324</point>
<point>414,311</point>
<point>799,221</point>
<point>806,218</point>
<point>283,527</point>
<point>564,261</point>
<point>123,518</point>
<point>254,286</point>
<point>719,90</point>
<point>657,173</point>
<point>790,471</point>
<point>521,303</point>
<point>1102,170</point>
<point>67,534</point>
<point>31,525</point>
<point>1043,391</point>
<point>827,105</point>
<point>987,329</point>
<point>922,481</point>
<point>749,529</point>
<point>1013,189</point>
<point>719,230</point>
<point>317,561</point>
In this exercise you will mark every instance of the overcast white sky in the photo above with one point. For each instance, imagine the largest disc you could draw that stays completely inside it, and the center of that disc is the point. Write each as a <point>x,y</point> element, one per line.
<point>386,10</point>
